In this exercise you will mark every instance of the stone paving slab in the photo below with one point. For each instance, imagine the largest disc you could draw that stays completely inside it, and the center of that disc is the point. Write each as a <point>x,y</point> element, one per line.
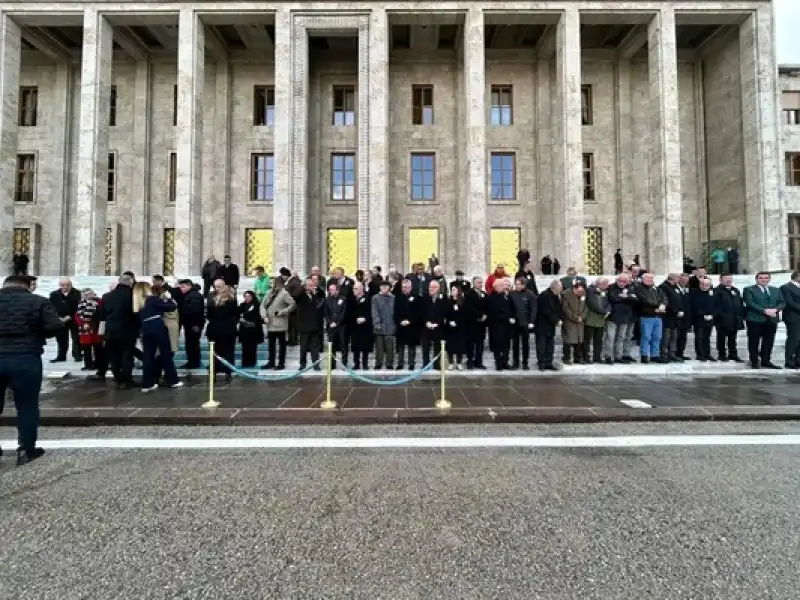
<point>562,398</point>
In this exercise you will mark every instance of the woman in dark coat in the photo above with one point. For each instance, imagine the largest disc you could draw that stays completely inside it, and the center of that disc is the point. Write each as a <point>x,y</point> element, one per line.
<point>359,326</point>
<point>456,332</point>
<point>223,318</point>
<point>251,332</point>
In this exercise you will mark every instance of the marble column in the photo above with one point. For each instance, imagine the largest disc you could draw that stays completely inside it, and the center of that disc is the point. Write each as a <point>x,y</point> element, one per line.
<point>363,158</point>
<point>10,45</point>
<point>140,173</point>
<point>89,222</point>
<point>281,214</point>
<point>377,205</point>
<point>220,165</point>
<point>567,149</point>
<point>188,196</point>
<point>476,242</point>
<point>55,261</point>
<point>626,207</point>
<point>298,122</point>
<point>666,245</point>
<point>544,161</point>
<point>766,246</point>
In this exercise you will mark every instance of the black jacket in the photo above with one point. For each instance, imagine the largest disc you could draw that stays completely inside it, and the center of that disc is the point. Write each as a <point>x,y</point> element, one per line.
<point>674,298</point>
<point>229,274</point>
<point>419,283</point>
<point>192,310</point>
<point>623,306</point>
<point>728,308</point>
<point>309,313</point>
<point>407,308</point>
<point>530,280</point>
<point>26,320</point>
<point>791,297</point>
<point>548,313</point>
<point>650,298</point>
<point>335,311</point>
<point>524,303</point>
<point>223,320</point>
<point>702,305</point>
<point>121,323</point>
<point>66,306</point>
<point>434,312</point>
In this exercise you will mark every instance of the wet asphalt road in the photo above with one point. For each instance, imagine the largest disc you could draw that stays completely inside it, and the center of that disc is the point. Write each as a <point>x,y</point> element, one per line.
<point>556,524</point>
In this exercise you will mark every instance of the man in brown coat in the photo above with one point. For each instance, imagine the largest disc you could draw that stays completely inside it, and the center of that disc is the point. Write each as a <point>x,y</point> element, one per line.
<point>573,303</point>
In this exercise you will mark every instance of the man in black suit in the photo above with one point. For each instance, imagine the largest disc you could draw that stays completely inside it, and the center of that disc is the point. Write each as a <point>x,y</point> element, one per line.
<point>229,273</point>
<point>121,330</point>
<point>671,318</point>
<point>433,315</point>
<point>728,317</point>
<point>475,300</point>
<point>309,322</point>
<point>419,280</point>
<point>685,322</point>
<point>335,309</point>
<point>192,316</point>
<point>548,318</point>
<point>791,317</point>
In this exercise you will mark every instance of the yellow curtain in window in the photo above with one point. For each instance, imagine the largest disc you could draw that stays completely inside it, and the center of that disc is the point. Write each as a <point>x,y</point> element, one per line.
<point>343,250</point>
<point>422,242</point>
<point>504,243</point>
<point>258,251</point>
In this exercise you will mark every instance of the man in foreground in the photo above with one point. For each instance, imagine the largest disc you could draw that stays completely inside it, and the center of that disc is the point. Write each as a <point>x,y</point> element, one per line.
<point>26,320</point>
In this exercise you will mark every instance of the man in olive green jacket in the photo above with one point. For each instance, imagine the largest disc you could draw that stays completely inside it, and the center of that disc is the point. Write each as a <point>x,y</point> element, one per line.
<point>599,307</point>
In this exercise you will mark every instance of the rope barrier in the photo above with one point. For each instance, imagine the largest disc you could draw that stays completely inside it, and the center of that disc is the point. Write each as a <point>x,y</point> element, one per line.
<point>255,377</point>
<point>392,382</point>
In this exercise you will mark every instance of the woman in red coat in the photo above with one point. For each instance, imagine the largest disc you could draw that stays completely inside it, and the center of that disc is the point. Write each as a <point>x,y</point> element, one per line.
<point>87,318</point>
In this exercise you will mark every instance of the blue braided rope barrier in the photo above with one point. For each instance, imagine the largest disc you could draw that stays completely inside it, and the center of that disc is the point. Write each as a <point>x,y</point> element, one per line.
<point>256,377</point>
<point>393,382</point>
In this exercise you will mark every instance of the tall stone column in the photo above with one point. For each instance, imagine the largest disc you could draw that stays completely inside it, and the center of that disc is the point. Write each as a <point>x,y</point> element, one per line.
<point>57,224</point>
<point>626,207</point>
<point>10,45</point>
<point>476,241</point>
<point>188,196</point>
<point>374,211</point>
<point>666,245</point>
<point>89,222</point>
<point>281,214</point>
<point>297,120</point>
<point>220,165</point>
<point>140,147</point>
<point>567,148</point>
<point>765,247</point>
<point>544,160</point>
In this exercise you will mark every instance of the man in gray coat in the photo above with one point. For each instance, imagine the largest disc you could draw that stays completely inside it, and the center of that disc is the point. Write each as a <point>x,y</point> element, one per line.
<point>383,326</point>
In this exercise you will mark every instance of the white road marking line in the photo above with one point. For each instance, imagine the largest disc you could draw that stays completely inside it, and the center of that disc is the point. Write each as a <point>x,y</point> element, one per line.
<point>636,404</point>
<point>636,441</point>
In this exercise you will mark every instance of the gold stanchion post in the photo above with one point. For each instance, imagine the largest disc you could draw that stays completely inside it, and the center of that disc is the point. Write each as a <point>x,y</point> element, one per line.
<point>442,403</point>
<point>328,403</point>
<point>211,403</point>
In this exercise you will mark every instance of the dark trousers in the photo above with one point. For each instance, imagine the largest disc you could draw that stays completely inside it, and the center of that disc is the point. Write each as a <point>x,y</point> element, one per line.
<point>475,342</point>
<point>63,337</point>
<point>545,349</point>
<point>683,338</point>
<point>760,339</point>
<point>576,352</point>
<point>593,338</point>
<point>120,359</point>
<point>206,287</point>
<point>94,356</point>
<point>276,338</point>
<point>309,342</point>
<point>726,343</point>
<point>191,341</point>
<point>702,342</point>
<point>501,347</point>
<point>361,360</point>
<point>224,347</point>
<point>522,338</point>
<point>669,342</point>
<point>292,334</point>
<point>718,268</point>
<point>792,344</point>
<point>338,339</point>
<point>152,344</point>
<point>412,356</point>
<point>430,339</point>
<point>22,374</point>
<point>249,354</point>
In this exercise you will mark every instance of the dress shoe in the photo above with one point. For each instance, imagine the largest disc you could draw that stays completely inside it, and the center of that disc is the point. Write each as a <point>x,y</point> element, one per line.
<point>26,456</point>
<point>769,365</point>
<point>58,359</point>
<point>754,365</point>
<point>95,377</point>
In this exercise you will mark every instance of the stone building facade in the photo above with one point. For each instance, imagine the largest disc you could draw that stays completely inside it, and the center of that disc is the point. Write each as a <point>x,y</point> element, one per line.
<point>147,136</point>
<point>789,85</point>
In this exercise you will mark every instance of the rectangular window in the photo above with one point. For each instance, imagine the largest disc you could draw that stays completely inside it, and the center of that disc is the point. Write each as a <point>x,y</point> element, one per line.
<point>264,106</point>
<point>168,254</point>
<point>586,105</point>
<point>28,101</point>
<point>588,176</point>
<point>793,169</point>
<point>343,176</point>
<point>790,105</point>
<point>175,104</point>
<point>173,176</point>
<point>262,174</point>
<point>344,106</point>
<point>422,100</point>
<point>26,178</point>
<point>423,177</point>
<point>504,176</point>
<point>112,115</point>
<point>794,242</point>
<point>502,112</point>
<point>112,177</point>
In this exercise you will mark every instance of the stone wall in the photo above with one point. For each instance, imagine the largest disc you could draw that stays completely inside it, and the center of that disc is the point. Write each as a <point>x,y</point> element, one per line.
<point>789,142</point>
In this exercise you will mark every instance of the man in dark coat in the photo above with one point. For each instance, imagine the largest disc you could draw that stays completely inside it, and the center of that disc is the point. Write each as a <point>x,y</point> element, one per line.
<point>500,313</point>
<point>523,258</point>
<point>703,317</point>
<point>192,317</point>
<point>549,316</point>
<point>791,317</point>
<point>671,318</point>
<point>728,317</point>
<point>619,264</point>
<point>733,260</point>
<point>433,315</point>
<point>524,303</point>
<point>547,265</point>
<point>475,305</point>
<point>20,263</point>
<point>407,320</point>
<point>120,333</point>
<point>309,322</point>
<point>460,282</point>
<point>685,322</point>
<point>229,273</point>
<point>419,280</point>
<point>335,310</point>
<point>209,273</point>
<point>65,300</point>
<point>530,278</point>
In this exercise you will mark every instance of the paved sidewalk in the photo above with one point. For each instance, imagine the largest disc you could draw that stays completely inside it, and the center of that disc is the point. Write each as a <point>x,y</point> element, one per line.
<point>562,398</point>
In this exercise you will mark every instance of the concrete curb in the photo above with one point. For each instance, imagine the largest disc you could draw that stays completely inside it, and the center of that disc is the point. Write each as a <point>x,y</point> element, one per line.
<point>91,416</point>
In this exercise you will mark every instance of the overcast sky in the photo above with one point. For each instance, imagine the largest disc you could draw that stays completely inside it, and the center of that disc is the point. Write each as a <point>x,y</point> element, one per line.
<point>787,20</point>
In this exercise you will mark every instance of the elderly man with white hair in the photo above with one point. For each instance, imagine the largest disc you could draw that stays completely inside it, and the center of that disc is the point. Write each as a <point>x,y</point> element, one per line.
<point>65,300</point>
<point>619,324</point>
